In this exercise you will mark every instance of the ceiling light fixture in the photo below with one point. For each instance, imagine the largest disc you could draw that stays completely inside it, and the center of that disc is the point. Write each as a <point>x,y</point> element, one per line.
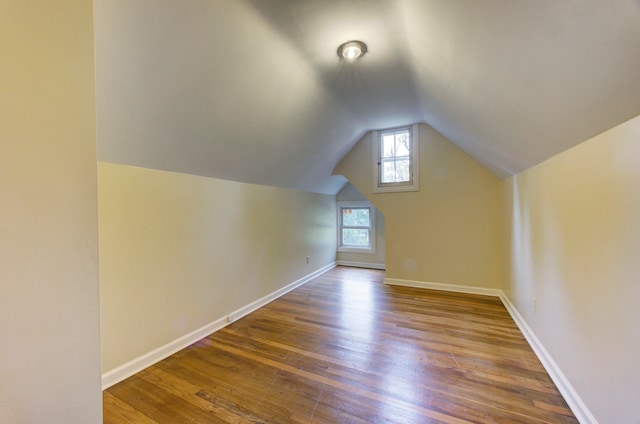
<point>351,50</point>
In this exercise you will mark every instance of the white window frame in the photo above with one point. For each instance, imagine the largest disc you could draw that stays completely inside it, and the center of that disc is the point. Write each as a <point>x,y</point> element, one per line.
<point>372,226</point>
<point>376,142</point>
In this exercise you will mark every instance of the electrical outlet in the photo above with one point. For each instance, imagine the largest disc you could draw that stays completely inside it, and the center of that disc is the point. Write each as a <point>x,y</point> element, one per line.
<point>308,257</point>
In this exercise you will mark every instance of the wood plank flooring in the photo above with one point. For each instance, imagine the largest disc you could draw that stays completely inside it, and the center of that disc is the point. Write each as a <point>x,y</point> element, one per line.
<point>345,348</point>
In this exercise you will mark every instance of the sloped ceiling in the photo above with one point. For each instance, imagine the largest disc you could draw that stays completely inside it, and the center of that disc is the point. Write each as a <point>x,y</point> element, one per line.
<point>252,90</point>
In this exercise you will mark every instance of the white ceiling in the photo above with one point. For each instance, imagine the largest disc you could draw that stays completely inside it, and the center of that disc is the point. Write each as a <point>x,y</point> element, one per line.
<point>252,90</point>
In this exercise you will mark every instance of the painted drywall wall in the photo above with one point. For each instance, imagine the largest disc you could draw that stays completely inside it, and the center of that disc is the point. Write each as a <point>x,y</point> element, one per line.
<point>448,232</point>
<point>178,251</point>
<point>573,243</point>
<point>49,291</point>
<point>377,259</point>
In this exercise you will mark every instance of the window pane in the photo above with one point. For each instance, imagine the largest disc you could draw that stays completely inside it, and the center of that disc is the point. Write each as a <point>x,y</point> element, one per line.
<point>396,171</point>
<point>402,170</point>
<point>355,217</point>
<point>402,144</point>
<point>389,171</point>
<point>388,146</point>
<point>355,237</point>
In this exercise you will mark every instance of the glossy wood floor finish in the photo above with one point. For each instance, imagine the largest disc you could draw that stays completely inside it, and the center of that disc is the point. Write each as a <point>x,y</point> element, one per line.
<point>345,348</point>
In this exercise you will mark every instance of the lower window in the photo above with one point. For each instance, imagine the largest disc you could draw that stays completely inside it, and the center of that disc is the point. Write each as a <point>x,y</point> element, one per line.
<point>356,227</point>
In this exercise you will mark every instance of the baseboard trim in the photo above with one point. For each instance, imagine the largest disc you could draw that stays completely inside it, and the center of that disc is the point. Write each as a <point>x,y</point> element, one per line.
<point>575,402</point>
<point>136,365</point>
<point>572,398</point>
<point>247,309</point>
<point>444,287</point>
<point>361,264</point>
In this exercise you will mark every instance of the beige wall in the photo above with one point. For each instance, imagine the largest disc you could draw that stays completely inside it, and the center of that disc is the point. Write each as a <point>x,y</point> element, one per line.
<point>178,251</point>
<point>448,232</point>
<point>49,292</point>
<point>377,259</point>
<point>573,242</point>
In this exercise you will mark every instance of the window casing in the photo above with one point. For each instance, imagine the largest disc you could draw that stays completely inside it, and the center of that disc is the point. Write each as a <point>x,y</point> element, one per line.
<point>356,227</point>
<point>395,159</point>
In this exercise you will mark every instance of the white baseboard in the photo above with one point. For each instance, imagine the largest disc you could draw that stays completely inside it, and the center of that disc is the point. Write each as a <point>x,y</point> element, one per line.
<point>136,365</point>
<point>572,398</point>
<point>246,310</point>
<point>443,286</point>
<point>361,264</point>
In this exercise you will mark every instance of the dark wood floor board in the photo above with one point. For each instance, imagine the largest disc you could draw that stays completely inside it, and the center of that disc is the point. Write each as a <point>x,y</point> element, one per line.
<point>194,395</point>
<point>154,402</point>
<point>118,412</point>
<point>339,406</point>
<point>250,375</point>
<point>345,348</point>
<point>451,387</point>
<point>239,402</point>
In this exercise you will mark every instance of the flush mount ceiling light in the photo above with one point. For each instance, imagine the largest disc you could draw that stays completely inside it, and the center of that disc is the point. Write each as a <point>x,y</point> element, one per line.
<point>351,50</point>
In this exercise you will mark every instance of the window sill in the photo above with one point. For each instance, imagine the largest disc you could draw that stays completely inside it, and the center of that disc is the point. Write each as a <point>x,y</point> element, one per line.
<point>356,250</point>
<point>396,188</point>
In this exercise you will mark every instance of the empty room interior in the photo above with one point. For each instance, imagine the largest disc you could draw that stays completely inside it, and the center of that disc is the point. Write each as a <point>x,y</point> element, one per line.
<point>356,210</point>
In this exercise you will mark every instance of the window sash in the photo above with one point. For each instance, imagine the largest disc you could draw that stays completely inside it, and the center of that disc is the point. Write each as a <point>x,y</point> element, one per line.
<point>356,245</point>
<point>389,156</point>
<point>394,170</point>
<point>349,210</point>
<point>351,237</point>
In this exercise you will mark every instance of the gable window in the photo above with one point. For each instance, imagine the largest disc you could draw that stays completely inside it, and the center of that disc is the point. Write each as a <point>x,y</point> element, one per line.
<point>356,227</point>
<point>395,157</point>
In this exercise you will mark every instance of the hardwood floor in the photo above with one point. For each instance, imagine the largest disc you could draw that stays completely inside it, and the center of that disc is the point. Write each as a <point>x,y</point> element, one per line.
<point>345,348</point>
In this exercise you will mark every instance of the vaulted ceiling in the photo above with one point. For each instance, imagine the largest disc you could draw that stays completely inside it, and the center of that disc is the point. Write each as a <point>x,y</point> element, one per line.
<point>253,90</point>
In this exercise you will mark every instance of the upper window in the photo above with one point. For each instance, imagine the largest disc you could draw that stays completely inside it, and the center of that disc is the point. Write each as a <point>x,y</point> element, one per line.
<point>356,227</point>
<point>396,159</point>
